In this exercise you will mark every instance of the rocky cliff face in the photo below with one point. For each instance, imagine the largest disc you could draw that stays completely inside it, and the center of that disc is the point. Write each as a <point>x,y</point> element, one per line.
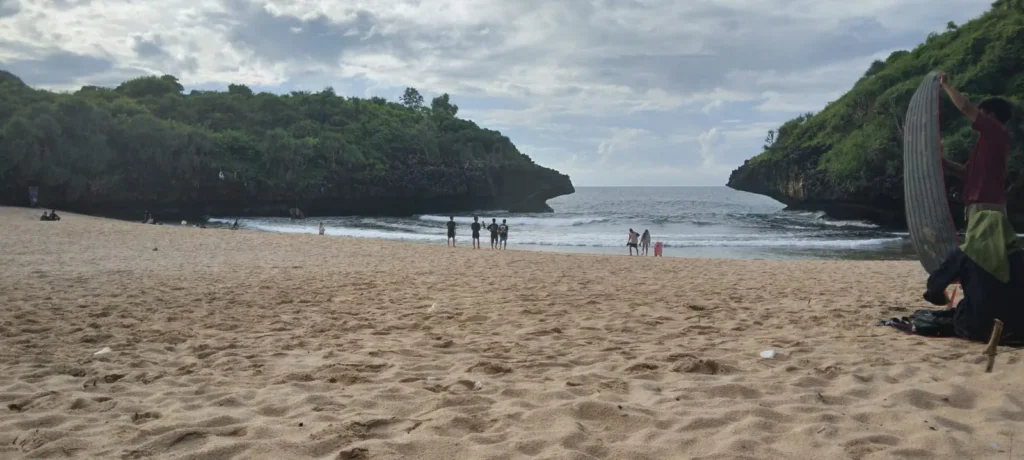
<point>803,189</point>
<point>436,190</point>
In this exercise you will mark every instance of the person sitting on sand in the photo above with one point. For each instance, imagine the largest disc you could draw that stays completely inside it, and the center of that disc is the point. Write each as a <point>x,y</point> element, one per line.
<point>53,215</point>
<point>45,216</point>
<point>476,233</point>
<point>645,241</point>
<point>503,234</point>
<point>494,233</point>
<point>631,242</point>
<point>451,231</point>
<point>984,174</point>
<point>990,268</point>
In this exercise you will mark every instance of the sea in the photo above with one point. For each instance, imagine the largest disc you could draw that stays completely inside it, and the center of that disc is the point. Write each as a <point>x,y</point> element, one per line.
<point>713,222</point>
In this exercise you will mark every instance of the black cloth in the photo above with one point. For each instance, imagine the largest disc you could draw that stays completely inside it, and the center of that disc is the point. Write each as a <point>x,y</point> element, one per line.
<point>984,297</point>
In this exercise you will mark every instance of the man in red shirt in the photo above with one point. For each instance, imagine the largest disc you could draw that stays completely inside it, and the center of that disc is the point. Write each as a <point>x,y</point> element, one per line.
<point>984,174</point>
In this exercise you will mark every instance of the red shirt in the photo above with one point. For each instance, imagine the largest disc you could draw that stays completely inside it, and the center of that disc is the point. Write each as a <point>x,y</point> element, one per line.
<point>986,169</point>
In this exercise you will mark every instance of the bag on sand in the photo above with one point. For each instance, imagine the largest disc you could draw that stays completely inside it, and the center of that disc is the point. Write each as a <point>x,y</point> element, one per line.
<point>932,323</point>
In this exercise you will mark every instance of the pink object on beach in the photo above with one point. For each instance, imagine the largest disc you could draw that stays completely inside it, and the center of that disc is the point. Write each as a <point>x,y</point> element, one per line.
<point>657,249</point>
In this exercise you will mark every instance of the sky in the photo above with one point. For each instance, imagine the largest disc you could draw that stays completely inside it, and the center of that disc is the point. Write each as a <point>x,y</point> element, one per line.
<point>613,93</point>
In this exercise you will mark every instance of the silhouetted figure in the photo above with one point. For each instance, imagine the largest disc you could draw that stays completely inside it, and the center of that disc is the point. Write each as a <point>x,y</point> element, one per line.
<point>451,230</point>
<point>493,228</point>
<point>503,234</point>
<point>476,233</point>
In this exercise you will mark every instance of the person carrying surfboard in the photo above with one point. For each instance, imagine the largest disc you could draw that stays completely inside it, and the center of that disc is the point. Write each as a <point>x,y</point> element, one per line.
<point>984,174</point>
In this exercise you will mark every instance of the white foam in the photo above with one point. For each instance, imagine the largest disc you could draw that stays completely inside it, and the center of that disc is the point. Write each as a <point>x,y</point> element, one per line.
<point>525,221</point>
<point>596,240</point>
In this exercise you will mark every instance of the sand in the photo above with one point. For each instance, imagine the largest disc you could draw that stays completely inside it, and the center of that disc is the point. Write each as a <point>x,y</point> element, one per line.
<point>247,345</point>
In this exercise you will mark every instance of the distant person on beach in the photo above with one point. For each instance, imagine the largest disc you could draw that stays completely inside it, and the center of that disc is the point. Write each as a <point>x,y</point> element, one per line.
<point>990,269</point>
<point>984,175</point>
<point>631,243</point>
<point>451,230</point>
<point>53,215</point>
<point>503,234</point>
<point>476,233</point>
<point>645,241</point>
<point>45,216</point>
<point>234,226</point>
<point>322,228</point>
<point>494,233</point>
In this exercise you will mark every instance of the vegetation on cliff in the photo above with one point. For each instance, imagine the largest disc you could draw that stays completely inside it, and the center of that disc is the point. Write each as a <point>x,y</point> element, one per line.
<point>848,158</point>
<point>146,145</point>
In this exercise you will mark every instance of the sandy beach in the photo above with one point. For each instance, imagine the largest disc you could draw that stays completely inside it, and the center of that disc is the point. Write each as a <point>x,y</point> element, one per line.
<point>249,345</point>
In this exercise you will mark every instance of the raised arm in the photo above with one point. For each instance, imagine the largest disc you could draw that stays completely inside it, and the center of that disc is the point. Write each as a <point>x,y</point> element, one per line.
<point>953,168</point>
<point>961,102</point>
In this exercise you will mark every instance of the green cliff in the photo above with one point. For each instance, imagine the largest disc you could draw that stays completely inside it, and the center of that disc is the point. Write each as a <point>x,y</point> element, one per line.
<point>147,146</point>
<point>847,160</point>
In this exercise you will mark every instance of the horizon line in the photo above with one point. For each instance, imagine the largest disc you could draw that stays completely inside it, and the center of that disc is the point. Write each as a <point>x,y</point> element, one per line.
<point>649,186</point>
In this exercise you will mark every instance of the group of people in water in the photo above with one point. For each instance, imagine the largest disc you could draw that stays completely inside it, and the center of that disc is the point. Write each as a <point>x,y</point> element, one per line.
<point>989,266</point>
<point>499,232</point>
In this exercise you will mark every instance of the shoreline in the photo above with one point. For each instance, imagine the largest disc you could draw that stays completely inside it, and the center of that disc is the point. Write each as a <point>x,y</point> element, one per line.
<point>264,346</point>
<point>901,252</point>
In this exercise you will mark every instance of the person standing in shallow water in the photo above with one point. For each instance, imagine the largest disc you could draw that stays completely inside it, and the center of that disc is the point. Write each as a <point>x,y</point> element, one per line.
<point>631,243</point>
<point>645,241</point>
<point>476,233</point>
<point>503,234</point>
<point>493,228</point>
<point>451,231</point>
<point>322,228</point>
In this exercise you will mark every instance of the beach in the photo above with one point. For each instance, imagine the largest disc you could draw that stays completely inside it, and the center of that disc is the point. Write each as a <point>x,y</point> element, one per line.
<point>261,345</point>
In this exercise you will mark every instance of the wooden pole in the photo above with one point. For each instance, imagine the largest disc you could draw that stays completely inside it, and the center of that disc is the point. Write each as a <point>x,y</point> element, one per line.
<point>993,342</point>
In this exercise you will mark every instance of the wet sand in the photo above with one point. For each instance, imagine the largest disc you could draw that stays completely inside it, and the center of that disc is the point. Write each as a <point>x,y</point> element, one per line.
<point>250,345</point>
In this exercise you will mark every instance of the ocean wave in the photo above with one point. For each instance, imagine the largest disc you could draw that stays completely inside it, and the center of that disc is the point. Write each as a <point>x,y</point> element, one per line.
<point>795,243</point>
<point>596,240</point>
<point>525,221</point>
<point>345,231</point>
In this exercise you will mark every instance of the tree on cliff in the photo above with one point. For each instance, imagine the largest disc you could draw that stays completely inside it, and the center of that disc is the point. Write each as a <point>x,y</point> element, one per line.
<point>147,145</point>
<point>851,153</point>
<point>412,99</point>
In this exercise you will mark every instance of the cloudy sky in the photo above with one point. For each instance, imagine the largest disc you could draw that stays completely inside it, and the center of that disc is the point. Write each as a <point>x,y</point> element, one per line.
<point>627,92</point>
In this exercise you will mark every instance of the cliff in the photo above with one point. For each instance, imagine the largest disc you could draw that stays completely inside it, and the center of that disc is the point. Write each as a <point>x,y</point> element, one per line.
<point>146,145</point>
<point>847,160</point>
